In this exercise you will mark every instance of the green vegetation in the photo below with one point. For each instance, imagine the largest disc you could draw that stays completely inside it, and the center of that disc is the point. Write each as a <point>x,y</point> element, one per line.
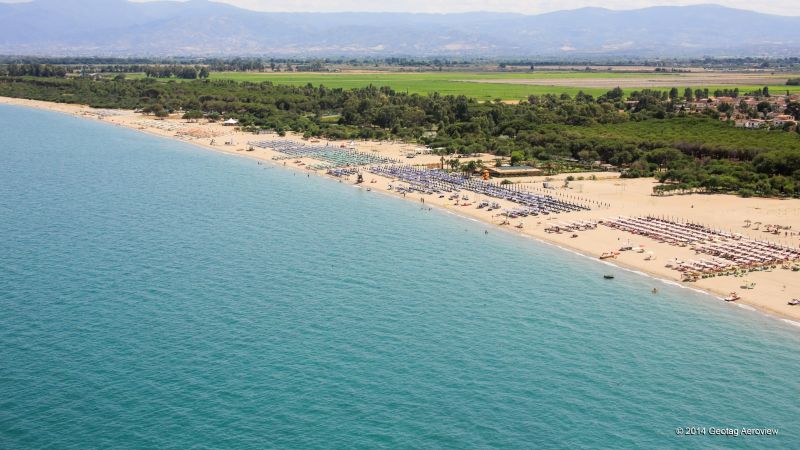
<point>697,154</point>
<point>481,86</point>
<point>697,136</point>
<point>33,70</point>
<point>424,83</point>
<point>183,72</point>
<point>648,137</point>
<point>473,85</point>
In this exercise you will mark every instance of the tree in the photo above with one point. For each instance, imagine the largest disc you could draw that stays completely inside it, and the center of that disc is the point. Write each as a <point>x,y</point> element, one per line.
<point>764,108</point>
<point>517,157</point>
<point>471,167</point>
<point>588,155</point>
<point>673,94</point>
<point>156,109</point>
<point>664,156</point>
<point>743,106</point>
<point>793,109</point>
<point>186,73</point>
<point>615,94</point>
<point>687,94</point>
<point>193,115</point>
<point>726,108</point>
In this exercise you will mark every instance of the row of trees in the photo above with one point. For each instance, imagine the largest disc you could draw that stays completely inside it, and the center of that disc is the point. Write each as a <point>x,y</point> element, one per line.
<point>183,72</point>
<point>33,70</point>
<point>649,137</point>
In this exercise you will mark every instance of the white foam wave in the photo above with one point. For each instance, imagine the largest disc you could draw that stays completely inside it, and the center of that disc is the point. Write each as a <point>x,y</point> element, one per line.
<point>791,322</point>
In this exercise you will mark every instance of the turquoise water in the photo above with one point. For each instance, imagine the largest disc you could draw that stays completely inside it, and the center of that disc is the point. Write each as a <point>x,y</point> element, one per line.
<point>157,295</point>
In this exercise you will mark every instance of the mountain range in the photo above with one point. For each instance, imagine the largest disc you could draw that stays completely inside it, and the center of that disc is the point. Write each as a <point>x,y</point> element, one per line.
<point>204,28</point>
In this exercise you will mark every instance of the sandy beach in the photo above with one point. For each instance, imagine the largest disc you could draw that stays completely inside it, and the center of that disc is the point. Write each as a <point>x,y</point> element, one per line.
<point>608,195</point>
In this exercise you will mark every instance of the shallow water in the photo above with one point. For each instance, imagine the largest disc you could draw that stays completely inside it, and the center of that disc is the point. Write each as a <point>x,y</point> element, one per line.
<point>155,294</point>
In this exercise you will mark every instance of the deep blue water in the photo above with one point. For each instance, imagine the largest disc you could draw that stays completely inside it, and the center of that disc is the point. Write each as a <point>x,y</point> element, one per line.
<point>158,295</point>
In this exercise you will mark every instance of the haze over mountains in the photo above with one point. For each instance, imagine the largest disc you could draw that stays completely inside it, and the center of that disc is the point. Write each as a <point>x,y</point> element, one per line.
<point>203,28</point>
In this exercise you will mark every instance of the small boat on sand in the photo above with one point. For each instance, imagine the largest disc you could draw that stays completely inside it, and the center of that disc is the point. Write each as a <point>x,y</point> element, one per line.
<point>732,298</point>
<point>794,302</point>
<point>607,255</point>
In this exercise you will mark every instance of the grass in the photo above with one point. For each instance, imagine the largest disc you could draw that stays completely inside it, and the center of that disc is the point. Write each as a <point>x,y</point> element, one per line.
<point>455,83</point>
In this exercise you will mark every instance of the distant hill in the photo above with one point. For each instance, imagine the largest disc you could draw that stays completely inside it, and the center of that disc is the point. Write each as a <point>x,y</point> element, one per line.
<point>202,28</point>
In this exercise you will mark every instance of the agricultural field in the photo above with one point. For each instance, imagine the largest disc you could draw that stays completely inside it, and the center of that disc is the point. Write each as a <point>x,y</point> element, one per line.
<point>515,86</point>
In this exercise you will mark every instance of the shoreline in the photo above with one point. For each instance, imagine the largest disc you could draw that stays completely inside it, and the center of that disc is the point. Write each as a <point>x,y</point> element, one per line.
<point>773,289</point>
<point>638,271</point>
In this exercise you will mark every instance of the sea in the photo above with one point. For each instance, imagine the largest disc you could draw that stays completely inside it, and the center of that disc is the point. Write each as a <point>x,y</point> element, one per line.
<point>155,294</point>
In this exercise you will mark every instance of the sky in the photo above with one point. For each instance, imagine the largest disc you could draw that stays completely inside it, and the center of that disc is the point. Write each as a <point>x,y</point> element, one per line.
<point>781,7</point>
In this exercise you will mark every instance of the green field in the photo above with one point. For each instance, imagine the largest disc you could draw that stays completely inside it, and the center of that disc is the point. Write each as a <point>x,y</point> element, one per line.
<point>461,83</point>
<point>421,83</point>
<point>453,83</point>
